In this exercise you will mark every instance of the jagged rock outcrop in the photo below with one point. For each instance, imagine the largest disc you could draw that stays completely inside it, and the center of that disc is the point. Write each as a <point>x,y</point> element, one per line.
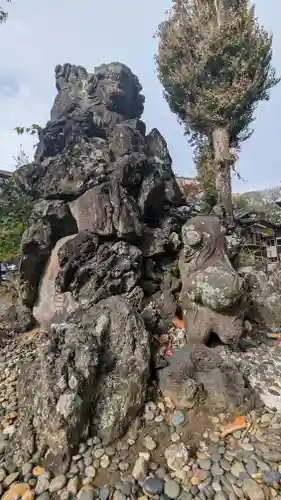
<point>212,291</point>
<point>90,379</point>
<point>99,267</point>
<point>97,171</point>
<point>97,263</point>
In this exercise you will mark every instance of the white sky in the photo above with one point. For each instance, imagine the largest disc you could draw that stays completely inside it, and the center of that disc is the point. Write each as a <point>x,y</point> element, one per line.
<point>40,34</point>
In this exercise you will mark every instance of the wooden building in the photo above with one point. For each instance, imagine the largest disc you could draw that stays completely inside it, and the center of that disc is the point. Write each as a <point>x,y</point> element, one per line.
<point>260,235</point>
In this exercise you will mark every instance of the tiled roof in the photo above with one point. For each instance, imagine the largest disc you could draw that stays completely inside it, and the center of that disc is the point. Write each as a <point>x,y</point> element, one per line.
<point>4,174</point>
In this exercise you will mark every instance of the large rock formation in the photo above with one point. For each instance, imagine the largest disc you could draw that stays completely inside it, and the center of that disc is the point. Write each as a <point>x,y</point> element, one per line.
<point>90,379</point>
<point>99,267</point>
<point>97,173</point>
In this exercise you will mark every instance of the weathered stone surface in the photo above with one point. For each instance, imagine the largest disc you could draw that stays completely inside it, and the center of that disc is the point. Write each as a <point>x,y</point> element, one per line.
<point>176,456</point>
<point>264,300</point>
<point>87,105</point>
<point>15,319</point>
<point>51,221</point>
<point>97,171</point>
<point>57,213</point>
<point>36,248</point>
<point>92,274</point>
<point>196,373</point>
<point>212,291</point>
<point>104,242</point>
<point>90,378</point>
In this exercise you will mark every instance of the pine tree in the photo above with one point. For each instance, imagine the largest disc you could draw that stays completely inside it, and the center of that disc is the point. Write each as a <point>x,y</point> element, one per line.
<point>214,62</point>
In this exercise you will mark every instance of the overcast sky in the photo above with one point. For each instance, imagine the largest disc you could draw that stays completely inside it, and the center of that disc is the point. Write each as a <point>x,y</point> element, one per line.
<point>40,34</point>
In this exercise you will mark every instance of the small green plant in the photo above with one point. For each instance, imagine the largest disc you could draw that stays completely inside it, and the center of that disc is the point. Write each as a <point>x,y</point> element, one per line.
<point>15,209</point>
<point>32,130</point>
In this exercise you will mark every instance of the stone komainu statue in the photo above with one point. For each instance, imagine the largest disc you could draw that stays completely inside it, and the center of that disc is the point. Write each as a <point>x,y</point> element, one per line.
<point>212,290</point>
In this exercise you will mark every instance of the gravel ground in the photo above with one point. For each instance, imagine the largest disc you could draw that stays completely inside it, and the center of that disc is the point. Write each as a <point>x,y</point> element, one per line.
<point>166,454</point>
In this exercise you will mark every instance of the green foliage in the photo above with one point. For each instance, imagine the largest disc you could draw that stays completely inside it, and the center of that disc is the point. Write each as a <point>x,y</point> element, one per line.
<point>32,130</point>
<point>214,62</point>
<point>251,256</point>
<point>3,13</point>
<point>15,204</point>
<point>15,209</point>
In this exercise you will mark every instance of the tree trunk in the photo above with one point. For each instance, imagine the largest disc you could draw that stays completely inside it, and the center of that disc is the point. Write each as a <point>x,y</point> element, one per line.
<point>223,171</point>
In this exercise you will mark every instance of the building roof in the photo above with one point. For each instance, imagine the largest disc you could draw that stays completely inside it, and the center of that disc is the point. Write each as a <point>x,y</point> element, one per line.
<point>187,179</point>
<point>5,174</point>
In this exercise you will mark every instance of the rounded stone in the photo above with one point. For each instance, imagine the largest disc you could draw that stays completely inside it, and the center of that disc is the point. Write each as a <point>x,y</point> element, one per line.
<point>86,494</point>
<point>10,479</point>
<point>90,471</point>
<point>176,456</point>
<point>151,406</point>
<point>237,469</point>
<point>42,485</point>
<point>104,493</point>
<point>72,485</point>
<point>172,489</point>
<point>216,470</point>
<point>161,472</point>
<point>195,480</point>
<point>119,496</point>
<point>26,468</point>
<point>149,415</point>
<point>251,466</point>
<point>123,466</point>
<point>175,438</point>
<point>153,486</point>
<point>220,495</point>
<point>159,418</point>
<point>57,483</point>
<point>3,474</point>
<point>149,443</point>
<point>126,489</point>
<point>216,487</point>
<point>225,465</point>
<point>104,462</point>
<point>19,490</point>
<point>43,496</point>
<point>139,471</point>
<point>178,418</point>
<point>204,464</point>
<point>271,478</point>
<point>98,453</point>
<point>110,451</point>
<point>272,456</point>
